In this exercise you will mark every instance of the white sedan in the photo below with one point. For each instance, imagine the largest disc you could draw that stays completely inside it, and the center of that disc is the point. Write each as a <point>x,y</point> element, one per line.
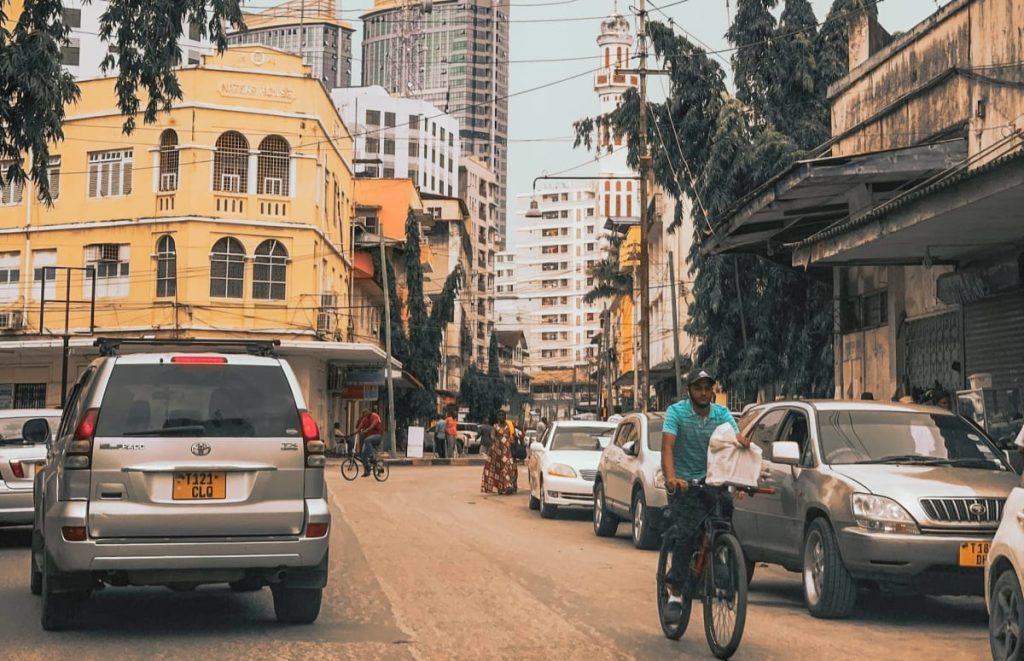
<point>1004,567</point>
<point>562,465</point>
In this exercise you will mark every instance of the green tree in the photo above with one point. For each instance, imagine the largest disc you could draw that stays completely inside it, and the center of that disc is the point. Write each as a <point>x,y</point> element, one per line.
<point>610,279</point>
<point>485,394</point>
<point>797,109</point>
<point>36,89</point>
<point>754,65</point>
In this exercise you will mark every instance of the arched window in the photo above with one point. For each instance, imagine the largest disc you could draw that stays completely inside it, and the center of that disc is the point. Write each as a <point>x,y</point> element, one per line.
<point>168,161</point>
<point>272,168</point>
<point>166,267</point>
<point>269,271</point>
<point>618,58</point>
<point>607,57</point>
<point>227,269</point>
<point>231,163</point>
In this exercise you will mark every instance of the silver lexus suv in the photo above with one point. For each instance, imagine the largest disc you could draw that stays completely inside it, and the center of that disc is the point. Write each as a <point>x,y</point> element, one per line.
<point>180,469</point>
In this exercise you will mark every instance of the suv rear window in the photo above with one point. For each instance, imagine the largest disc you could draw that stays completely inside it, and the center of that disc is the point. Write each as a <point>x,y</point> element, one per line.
<point>198,400</point>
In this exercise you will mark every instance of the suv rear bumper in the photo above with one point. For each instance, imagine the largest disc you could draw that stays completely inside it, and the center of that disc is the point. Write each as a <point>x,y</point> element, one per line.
<point>924,562</point>
<point>170,554</point>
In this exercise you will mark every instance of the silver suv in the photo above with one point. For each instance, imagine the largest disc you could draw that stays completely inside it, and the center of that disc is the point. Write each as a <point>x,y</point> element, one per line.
<point>181,469</point>
<point>871,494</point>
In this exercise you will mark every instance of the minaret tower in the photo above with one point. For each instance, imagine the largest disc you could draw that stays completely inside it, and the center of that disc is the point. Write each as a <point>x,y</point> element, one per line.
<point>616,198</point>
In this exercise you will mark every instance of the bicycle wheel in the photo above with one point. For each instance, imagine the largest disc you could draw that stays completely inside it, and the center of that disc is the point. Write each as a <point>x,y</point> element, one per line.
<point>350,469</point>
<point>671,631</point>
<point>381,471</point>
<point>725,596</point>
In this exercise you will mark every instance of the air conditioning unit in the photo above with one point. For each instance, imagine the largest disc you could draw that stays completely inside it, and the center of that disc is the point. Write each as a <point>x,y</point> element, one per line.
<point>325,323</point>
<point>231,183</point>
<point>169,181</point>
<point>12,320</point>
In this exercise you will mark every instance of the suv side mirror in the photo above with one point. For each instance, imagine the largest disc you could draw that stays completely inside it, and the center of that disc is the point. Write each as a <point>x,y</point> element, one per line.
<point>786,452</point>
<point>536,447</point>
<point>36,430</point>
<point>630,449</point>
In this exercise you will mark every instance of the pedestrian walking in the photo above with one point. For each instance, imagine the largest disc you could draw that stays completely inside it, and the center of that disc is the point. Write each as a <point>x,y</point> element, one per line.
<point>501,475</point>
<point>452,432</point>
<point>542,426</point>
<point>440,435</point>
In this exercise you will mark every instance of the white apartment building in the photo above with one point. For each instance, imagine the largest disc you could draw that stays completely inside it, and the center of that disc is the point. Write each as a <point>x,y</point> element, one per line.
<point>478,188</point>
<point>401,138</point>
<point>85,51</point>
<point>543,286</point>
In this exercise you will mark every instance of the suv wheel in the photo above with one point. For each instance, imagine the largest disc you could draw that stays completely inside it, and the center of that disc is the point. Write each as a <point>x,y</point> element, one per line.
<point>606,524</point>
<point>829,590</point>
<point>36,580</point>
<point>546,511</point>
<point>644,535</point>
<point>57,607</point>
<point>296,605</point>
<point>1006,618</point>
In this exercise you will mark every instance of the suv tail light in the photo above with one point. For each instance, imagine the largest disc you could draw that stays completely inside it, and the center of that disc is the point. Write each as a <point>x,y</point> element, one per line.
<point>313,447</point>
<point>79,454</point>
<point>17,469</point>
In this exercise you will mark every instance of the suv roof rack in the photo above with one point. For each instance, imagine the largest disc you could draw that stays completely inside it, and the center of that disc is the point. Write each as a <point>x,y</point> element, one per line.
<point>111,346</point>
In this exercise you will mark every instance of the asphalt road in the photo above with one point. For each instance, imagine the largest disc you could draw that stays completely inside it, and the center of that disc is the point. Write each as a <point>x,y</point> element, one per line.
<point>425,567</point>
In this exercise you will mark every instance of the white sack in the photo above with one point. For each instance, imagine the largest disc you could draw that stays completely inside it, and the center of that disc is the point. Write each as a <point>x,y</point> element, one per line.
<point>731,463</point>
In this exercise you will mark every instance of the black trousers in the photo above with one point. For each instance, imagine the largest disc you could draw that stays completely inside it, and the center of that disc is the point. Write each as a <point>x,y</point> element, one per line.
<point>687,511</point>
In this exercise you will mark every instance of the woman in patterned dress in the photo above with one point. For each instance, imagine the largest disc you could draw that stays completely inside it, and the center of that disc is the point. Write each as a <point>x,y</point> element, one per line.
<point>501,474</point>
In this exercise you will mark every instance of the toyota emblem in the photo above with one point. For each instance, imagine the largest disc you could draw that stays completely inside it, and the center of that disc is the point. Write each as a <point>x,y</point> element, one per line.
<point>977,509</point>
<point>201,449</point>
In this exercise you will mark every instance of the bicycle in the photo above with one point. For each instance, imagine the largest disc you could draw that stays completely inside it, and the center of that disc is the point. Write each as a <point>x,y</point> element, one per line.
<point>721,583</point>
<point>350,467</point>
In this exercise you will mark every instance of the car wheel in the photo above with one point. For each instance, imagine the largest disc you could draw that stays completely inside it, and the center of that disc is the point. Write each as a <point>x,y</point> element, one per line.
<point>296,605</point>
<point>36,576</point>
<point>645,537</point>
<point>546,511</point>
<point>1006,619</point>
<point>606,524</point>
<point>534,501</point>
<point>57,607</point>
<point>829,590</point>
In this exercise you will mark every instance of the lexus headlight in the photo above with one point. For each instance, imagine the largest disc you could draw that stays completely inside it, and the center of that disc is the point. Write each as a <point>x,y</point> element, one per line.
<point>879,514</point>
<point>659,479</point>
<point>561,470</point>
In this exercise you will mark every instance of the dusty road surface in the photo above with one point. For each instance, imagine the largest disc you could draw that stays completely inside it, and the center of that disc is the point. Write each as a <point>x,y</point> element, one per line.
<point>425,567</point>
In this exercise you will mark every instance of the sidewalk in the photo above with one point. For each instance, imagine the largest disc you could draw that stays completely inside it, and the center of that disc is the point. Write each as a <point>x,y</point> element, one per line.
<point>429,459</point>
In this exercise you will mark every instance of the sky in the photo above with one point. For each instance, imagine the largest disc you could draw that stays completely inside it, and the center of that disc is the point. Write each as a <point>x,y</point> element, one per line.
<point>561,31</point>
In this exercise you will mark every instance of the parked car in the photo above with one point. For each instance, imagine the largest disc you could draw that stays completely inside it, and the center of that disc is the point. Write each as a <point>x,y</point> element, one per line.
<point>563,464</point>
<point>1003,578</point>
<point>181,469</point>
<point>23,442</point>
<point>872,494</point>
<point>469,433</point>
<point>630,485</point>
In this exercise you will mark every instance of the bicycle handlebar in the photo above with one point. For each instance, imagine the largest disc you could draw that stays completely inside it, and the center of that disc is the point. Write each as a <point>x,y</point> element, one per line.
<point>701,484</point>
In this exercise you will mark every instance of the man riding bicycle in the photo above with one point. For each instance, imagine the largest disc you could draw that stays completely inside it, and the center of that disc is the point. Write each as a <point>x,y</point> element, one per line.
<point>686,434</point>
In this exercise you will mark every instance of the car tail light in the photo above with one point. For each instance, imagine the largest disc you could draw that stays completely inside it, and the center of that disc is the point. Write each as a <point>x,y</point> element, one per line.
<point>199,360</point>
<point>316,529</point>
<point>73,533</point>
<point>17,469</point>
<point>79,454</point>
<point>314,448</point>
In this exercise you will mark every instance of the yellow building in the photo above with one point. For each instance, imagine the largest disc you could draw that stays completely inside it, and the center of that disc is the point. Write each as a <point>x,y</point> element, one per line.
<point>228,217</point>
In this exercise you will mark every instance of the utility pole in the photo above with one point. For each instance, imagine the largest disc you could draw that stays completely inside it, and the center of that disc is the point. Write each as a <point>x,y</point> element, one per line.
<point>675,323</point>
<point>389,376</point>
<point>575,358</point>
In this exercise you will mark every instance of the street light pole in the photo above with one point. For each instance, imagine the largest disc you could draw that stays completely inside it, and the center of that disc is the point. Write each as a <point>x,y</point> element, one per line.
<point>387,341</point>
<point>645,166</point>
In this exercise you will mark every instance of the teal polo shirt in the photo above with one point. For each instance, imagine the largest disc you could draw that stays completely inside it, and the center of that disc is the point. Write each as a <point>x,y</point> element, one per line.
<point>693,433</point>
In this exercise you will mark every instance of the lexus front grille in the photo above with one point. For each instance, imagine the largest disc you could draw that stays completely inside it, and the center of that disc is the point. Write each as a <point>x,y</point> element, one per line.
<point>964,510</point>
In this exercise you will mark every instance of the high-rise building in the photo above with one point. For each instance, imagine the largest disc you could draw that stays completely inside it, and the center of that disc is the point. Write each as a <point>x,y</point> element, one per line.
<point>454,54</point>
<point>85,51</point>
<point>399,138</point>
<point>479,190</point>
<point>311,28</point>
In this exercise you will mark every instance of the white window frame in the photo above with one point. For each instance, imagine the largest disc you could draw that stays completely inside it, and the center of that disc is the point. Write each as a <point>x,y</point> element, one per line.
<point>104,167</point>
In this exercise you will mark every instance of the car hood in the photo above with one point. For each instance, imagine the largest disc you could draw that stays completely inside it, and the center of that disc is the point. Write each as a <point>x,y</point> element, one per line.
<point>579,459</point>
<point>908,483</point>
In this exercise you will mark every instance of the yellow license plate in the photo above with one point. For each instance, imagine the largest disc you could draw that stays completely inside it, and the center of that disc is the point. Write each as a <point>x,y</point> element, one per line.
<point>200,485</point>
<point>973,554</point>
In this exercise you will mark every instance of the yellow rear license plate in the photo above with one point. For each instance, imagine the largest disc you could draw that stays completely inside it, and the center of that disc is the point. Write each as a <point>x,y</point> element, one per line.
<point>201,485</point>
<point>973,554</point>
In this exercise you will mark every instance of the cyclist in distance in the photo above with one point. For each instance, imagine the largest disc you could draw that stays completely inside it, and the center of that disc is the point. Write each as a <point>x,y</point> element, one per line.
<point>687,431</point>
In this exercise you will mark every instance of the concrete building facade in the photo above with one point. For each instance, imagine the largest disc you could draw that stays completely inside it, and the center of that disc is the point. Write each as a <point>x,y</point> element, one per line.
<point>398,138</point>
<point>313,29</point>
<point>455,56</point>
<point>478,188</point>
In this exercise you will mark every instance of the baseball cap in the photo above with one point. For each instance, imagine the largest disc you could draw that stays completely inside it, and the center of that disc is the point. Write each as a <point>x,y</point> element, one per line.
<point>697,374</point>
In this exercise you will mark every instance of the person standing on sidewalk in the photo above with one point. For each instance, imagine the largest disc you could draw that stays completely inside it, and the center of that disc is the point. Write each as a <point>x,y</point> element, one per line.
<point>452,432</point>
<point>440,435</point>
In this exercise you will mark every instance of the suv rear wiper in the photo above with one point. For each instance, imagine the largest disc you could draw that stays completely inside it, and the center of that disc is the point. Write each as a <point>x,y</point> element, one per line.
<point>169,431</point>
<point>902,459</point>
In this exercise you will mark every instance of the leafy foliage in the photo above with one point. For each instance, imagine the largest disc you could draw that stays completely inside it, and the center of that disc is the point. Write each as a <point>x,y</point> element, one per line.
<point>486,394</point>
<point>35,88</point>
<point>610,279</point>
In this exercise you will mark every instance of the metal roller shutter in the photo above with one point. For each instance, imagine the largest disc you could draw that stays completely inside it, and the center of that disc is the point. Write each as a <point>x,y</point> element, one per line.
<point>933,345</point>
<point>993,338</point>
